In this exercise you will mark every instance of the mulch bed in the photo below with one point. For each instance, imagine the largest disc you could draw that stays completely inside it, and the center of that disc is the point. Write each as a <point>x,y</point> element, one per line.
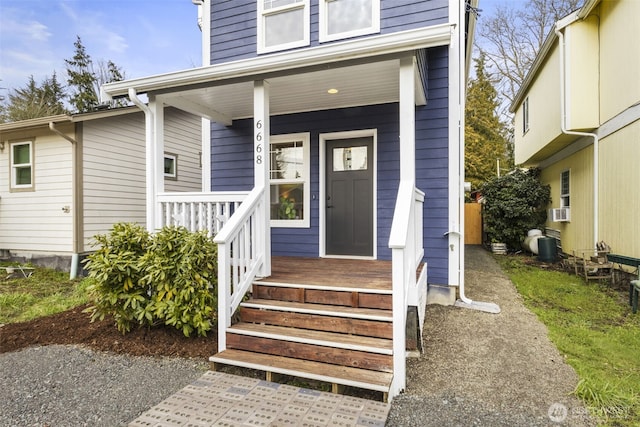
<point>75,327</point>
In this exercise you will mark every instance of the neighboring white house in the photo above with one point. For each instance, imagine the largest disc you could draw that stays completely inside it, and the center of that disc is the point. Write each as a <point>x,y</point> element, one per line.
<point>64,179</point>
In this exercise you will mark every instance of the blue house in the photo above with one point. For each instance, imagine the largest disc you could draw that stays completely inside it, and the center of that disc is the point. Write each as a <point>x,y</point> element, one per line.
<point>333,162</point>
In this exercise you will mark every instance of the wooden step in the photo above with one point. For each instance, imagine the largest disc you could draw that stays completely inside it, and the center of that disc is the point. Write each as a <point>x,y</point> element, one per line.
<point>321,309</point>
<point>296,350</point>
<point>345,325</point>
<point>319,294</point>
<point>335,374</point>
<point>320,338</point>
<point>299,345</point>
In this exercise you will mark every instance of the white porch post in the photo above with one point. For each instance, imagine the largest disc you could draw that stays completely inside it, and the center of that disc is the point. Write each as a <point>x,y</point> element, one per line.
<point>407,120</point>
<point>261,133</point>
<point>399,256</point>
<point>156,175</point>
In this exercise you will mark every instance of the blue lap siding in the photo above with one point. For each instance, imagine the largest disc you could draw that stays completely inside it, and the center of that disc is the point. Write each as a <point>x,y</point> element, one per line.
<point>234,23</point>
<point>232,165</point>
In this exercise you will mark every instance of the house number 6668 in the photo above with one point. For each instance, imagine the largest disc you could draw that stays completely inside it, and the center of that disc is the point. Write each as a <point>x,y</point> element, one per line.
<point>259,142</point>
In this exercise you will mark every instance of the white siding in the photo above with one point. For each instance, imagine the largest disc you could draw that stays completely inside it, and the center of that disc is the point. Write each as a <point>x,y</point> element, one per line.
<point>183,137</point>
<point>34,221</point>
<point>113,173</point>
<point>114,167</point>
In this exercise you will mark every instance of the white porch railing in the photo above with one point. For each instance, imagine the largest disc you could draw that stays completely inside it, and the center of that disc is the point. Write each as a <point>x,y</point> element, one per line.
<point>407,251</point>
<point>240,256</point>
<point>199,211</point>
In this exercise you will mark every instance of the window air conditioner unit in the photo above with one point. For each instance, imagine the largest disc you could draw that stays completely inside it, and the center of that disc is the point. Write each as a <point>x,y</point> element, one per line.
<point>560,214</point>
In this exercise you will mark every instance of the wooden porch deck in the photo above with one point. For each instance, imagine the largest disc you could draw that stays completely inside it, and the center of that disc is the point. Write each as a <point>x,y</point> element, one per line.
<point>373,275</point>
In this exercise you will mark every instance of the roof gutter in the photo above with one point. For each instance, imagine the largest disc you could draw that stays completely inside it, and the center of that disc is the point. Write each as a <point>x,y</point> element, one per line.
<point>563,127</point>
<point>52,127</point>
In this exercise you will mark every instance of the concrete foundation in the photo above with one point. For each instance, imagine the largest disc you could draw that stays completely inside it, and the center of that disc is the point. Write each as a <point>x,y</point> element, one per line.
<point>441,294</point>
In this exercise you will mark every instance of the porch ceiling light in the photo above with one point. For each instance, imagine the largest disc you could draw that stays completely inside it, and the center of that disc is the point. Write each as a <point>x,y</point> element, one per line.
<point>333,91</point>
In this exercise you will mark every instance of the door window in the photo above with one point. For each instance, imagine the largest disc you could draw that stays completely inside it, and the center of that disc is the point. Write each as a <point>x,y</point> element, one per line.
<point>349,159</point>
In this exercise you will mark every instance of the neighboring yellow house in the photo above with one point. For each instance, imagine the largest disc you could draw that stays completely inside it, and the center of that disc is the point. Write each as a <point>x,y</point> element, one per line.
<point>583,129</point>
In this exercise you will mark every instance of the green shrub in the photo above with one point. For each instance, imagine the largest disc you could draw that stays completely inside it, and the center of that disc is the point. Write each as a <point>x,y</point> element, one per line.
<point>117,289</point>
<point>514,204</point>
<point>180,270</point>
<point>168,278</point>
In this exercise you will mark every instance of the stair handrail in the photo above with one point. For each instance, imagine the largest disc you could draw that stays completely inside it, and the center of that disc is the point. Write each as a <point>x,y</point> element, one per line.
<point>240,256</point>
<point>405,250</point>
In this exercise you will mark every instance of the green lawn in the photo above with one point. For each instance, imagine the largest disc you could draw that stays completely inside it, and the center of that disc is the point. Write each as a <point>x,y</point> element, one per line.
<point>45,292</point>
<point>592,325</point>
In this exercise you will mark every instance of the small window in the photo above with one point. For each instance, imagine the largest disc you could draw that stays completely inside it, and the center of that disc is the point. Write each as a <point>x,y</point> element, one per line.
<point>525,115</point>
<point>340,19</point>
<point>282,24</point>
<point>565,188</point>
<point>21,161</point>
<point>171,166</point>
<point>289,180</point>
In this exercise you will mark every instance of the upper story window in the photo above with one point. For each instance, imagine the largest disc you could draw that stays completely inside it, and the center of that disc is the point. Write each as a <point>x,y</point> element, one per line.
<point>21,165</point>
<point>340,19</point>
<point>565,187</point>
<point>525,115</point>
<point>289,173</point>
<point>282,24</point>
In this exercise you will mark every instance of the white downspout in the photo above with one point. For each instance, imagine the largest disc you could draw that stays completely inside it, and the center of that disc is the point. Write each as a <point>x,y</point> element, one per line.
<point>150,158</point>
<point>463,301</point>
<point>75,256</point>
<point>563,128</point>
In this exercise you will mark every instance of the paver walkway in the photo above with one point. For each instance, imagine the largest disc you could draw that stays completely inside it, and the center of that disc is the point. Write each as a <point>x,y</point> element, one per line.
<point>221,399</point>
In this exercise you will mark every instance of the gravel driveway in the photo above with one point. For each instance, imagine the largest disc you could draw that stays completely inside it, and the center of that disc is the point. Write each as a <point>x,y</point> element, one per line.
<point>483,369</point>
<point>479,369</point>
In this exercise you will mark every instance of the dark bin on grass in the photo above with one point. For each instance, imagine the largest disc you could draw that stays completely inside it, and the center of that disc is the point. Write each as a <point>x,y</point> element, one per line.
<point>547,250</point>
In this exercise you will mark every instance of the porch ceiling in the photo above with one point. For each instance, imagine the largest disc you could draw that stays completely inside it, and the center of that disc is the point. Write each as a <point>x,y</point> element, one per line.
<point>361,84</point>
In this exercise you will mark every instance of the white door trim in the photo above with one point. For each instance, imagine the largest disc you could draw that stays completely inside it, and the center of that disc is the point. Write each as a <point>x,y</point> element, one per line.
<point>323,138</point>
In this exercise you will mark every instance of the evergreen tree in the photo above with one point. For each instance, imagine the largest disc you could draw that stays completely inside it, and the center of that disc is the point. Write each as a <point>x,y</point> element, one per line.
<point>33,100</point>
<point>106,73</point>
<point>81,79</point>
<point>485,135</point>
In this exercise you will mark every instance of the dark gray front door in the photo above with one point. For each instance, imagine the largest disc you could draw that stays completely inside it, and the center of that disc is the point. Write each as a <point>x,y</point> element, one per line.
<point>349,203</point>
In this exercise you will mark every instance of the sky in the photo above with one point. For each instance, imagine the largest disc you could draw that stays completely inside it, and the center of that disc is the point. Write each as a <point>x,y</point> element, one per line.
<point>142,37</point>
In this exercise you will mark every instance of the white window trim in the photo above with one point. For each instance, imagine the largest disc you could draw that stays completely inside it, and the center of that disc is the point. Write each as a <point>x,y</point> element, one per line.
<point>13,167</point>
<point>172,176</point>
<point>567,195</point>
<point>262,14</point>
<point>324,35</point>
<point>525,115</point>
<point>305,137</point>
